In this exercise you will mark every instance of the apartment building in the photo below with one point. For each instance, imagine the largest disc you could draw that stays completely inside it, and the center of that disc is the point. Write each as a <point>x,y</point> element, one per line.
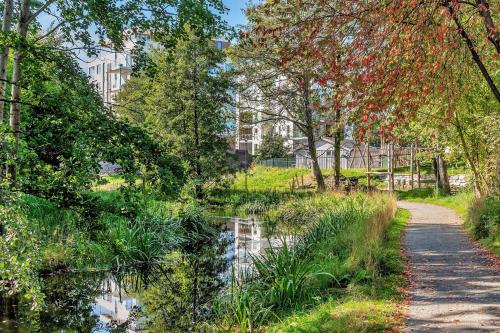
<point>112,69</point>
<point>254,121</point>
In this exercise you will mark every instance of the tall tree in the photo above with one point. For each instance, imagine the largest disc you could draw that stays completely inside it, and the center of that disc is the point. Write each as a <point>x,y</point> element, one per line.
<point>78,21</point>
<point>8,12</point>
<point>282,88</point>
<point>186,105</point>
<point>396,52</point>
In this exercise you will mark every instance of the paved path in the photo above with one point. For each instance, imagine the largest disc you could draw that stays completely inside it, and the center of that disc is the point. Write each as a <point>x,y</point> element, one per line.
<point>455,288</point>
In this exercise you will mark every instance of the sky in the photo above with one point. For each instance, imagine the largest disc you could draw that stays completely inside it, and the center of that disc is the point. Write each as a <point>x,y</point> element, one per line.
<point>235,16</point>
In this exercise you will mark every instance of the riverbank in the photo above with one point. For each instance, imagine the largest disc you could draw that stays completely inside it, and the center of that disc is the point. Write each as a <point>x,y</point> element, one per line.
<point>341,254</point>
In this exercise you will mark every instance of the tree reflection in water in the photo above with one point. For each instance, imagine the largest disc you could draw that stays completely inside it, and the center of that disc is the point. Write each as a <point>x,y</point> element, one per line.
<point>172,296</point>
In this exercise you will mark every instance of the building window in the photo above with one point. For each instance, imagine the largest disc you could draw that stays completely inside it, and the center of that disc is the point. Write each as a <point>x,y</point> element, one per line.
<point>219,44</point>
<point>98,69</point>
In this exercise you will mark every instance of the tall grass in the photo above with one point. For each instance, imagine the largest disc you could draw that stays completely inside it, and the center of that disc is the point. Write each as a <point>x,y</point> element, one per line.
<point>337,246</point>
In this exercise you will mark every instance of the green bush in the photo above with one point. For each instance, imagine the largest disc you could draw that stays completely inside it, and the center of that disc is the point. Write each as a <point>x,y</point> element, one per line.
<point>484,220</point>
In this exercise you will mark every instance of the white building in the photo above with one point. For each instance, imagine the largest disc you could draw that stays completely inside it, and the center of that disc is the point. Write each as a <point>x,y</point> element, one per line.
<point>112,69</point>
<point>253,122</point>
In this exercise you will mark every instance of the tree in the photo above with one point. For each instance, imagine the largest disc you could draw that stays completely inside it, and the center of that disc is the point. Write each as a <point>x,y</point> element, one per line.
<point>67,132</point>
<point>395,52</point>
<point>289,89</point>
<point>4,53</point>
<point>273,146</point>
<point>186,105</point>
<point>76,21</point>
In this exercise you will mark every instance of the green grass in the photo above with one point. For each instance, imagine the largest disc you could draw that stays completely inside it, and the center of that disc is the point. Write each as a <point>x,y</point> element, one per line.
<point>108,231</point>
<point>373,306</point>
<point>262,179</point>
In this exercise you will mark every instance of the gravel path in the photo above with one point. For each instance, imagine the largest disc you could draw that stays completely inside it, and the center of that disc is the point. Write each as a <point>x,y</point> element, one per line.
<point>454,286</point>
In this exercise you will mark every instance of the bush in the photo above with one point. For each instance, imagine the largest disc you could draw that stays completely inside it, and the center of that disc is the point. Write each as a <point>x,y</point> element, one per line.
<point>484,218</point>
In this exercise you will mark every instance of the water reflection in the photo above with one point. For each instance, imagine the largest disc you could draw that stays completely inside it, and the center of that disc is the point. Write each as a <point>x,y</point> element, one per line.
<point>116,308</point>
<point>174,296</point>
<point>251,239</point>
<point>92,302</point>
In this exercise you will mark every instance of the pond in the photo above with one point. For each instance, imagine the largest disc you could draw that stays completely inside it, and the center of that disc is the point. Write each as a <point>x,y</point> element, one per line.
<point>130,301</point>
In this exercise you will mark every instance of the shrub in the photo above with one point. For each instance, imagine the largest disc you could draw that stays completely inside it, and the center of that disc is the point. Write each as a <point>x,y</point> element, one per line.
<point>484,218</point>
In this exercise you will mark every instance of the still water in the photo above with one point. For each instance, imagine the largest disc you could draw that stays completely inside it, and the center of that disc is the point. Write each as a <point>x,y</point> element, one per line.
<point>105,302</point>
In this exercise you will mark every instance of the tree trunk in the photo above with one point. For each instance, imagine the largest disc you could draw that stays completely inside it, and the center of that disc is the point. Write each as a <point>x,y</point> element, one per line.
<point>311,142</point>
<point>15,106</point>
<point>391,167</point>
<point>196,133</point>
<point>444,181</point>
<point>412,157</point>
<point>417,164</point>
<point>337,146</point>
<point>493,33</point>
<point>368,165</point>
<point>478,189</point>
<point>318,175</point>
<point>4,54</point>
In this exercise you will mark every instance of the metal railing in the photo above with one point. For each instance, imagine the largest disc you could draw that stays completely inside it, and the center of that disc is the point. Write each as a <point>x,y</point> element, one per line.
<point>287,162</point>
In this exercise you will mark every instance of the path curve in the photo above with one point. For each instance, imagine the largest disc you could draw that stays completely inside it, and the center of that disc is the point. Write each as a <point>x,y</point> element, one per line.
<point>455,288</point>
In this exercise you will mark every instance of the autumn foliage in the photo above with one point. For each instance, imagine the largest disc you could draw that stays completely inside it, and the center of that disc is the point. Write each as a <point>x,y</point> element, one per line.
<point>383,60</point>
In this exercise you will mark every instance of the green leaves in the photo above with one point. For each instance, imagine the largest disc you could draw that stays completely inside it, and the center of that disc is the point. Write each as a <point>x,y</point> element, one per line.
<point>185,105</point>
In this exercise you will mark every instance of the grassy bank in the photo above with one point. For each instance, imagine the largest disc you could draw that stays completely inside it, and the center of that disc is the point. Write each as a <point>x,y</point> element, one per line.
<point>110,230</point>
<point>372,305</point>
<point>481,216</point>
<point>345,263</point>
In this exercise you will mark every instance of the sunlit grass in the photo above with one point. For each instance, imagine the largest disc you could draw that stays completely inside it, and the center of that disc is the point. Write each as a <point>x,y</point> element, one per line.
<point>373,306</point>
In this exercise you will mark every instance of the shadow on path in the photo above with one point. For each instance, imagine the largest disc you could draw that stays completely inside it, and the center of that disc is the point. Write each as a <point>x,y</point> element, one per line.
<point>455,287</point>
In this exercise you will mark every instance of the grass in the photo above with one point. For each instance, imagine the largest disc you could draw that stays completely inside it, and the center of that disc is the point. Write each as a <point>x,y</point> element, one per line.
<point>481,216</point>
<point>110,232</point>
<point>373,306</point>
<point>262,179</point>
<point>459,202</point>
<point>345,262</point>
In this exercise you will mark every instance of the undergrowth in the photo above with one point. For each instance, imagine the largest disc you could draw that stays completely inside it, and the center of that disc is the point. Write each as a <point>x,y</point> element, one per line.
<point>347,252</point>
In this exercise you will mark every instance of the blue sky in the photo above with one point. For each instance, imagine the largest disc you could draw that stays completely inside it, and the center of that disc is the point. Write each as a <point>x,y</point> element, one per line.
<point>235,15</point>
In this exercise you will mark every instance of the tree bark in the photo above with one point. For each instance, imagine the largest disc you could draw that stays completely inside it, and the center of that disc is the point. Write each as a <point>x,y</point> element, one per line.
<point>311,142</point>
<point>472,50</point>
<point>15,106</point>
<point>337,146</point>
<point>391,167</point>
<point>493,33</point>
<point>4,54</point>
<point>417,164</point>
<point>412,157</point>
<point>318,175</point>
<point>477,180</point>
<point>444,181</point>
